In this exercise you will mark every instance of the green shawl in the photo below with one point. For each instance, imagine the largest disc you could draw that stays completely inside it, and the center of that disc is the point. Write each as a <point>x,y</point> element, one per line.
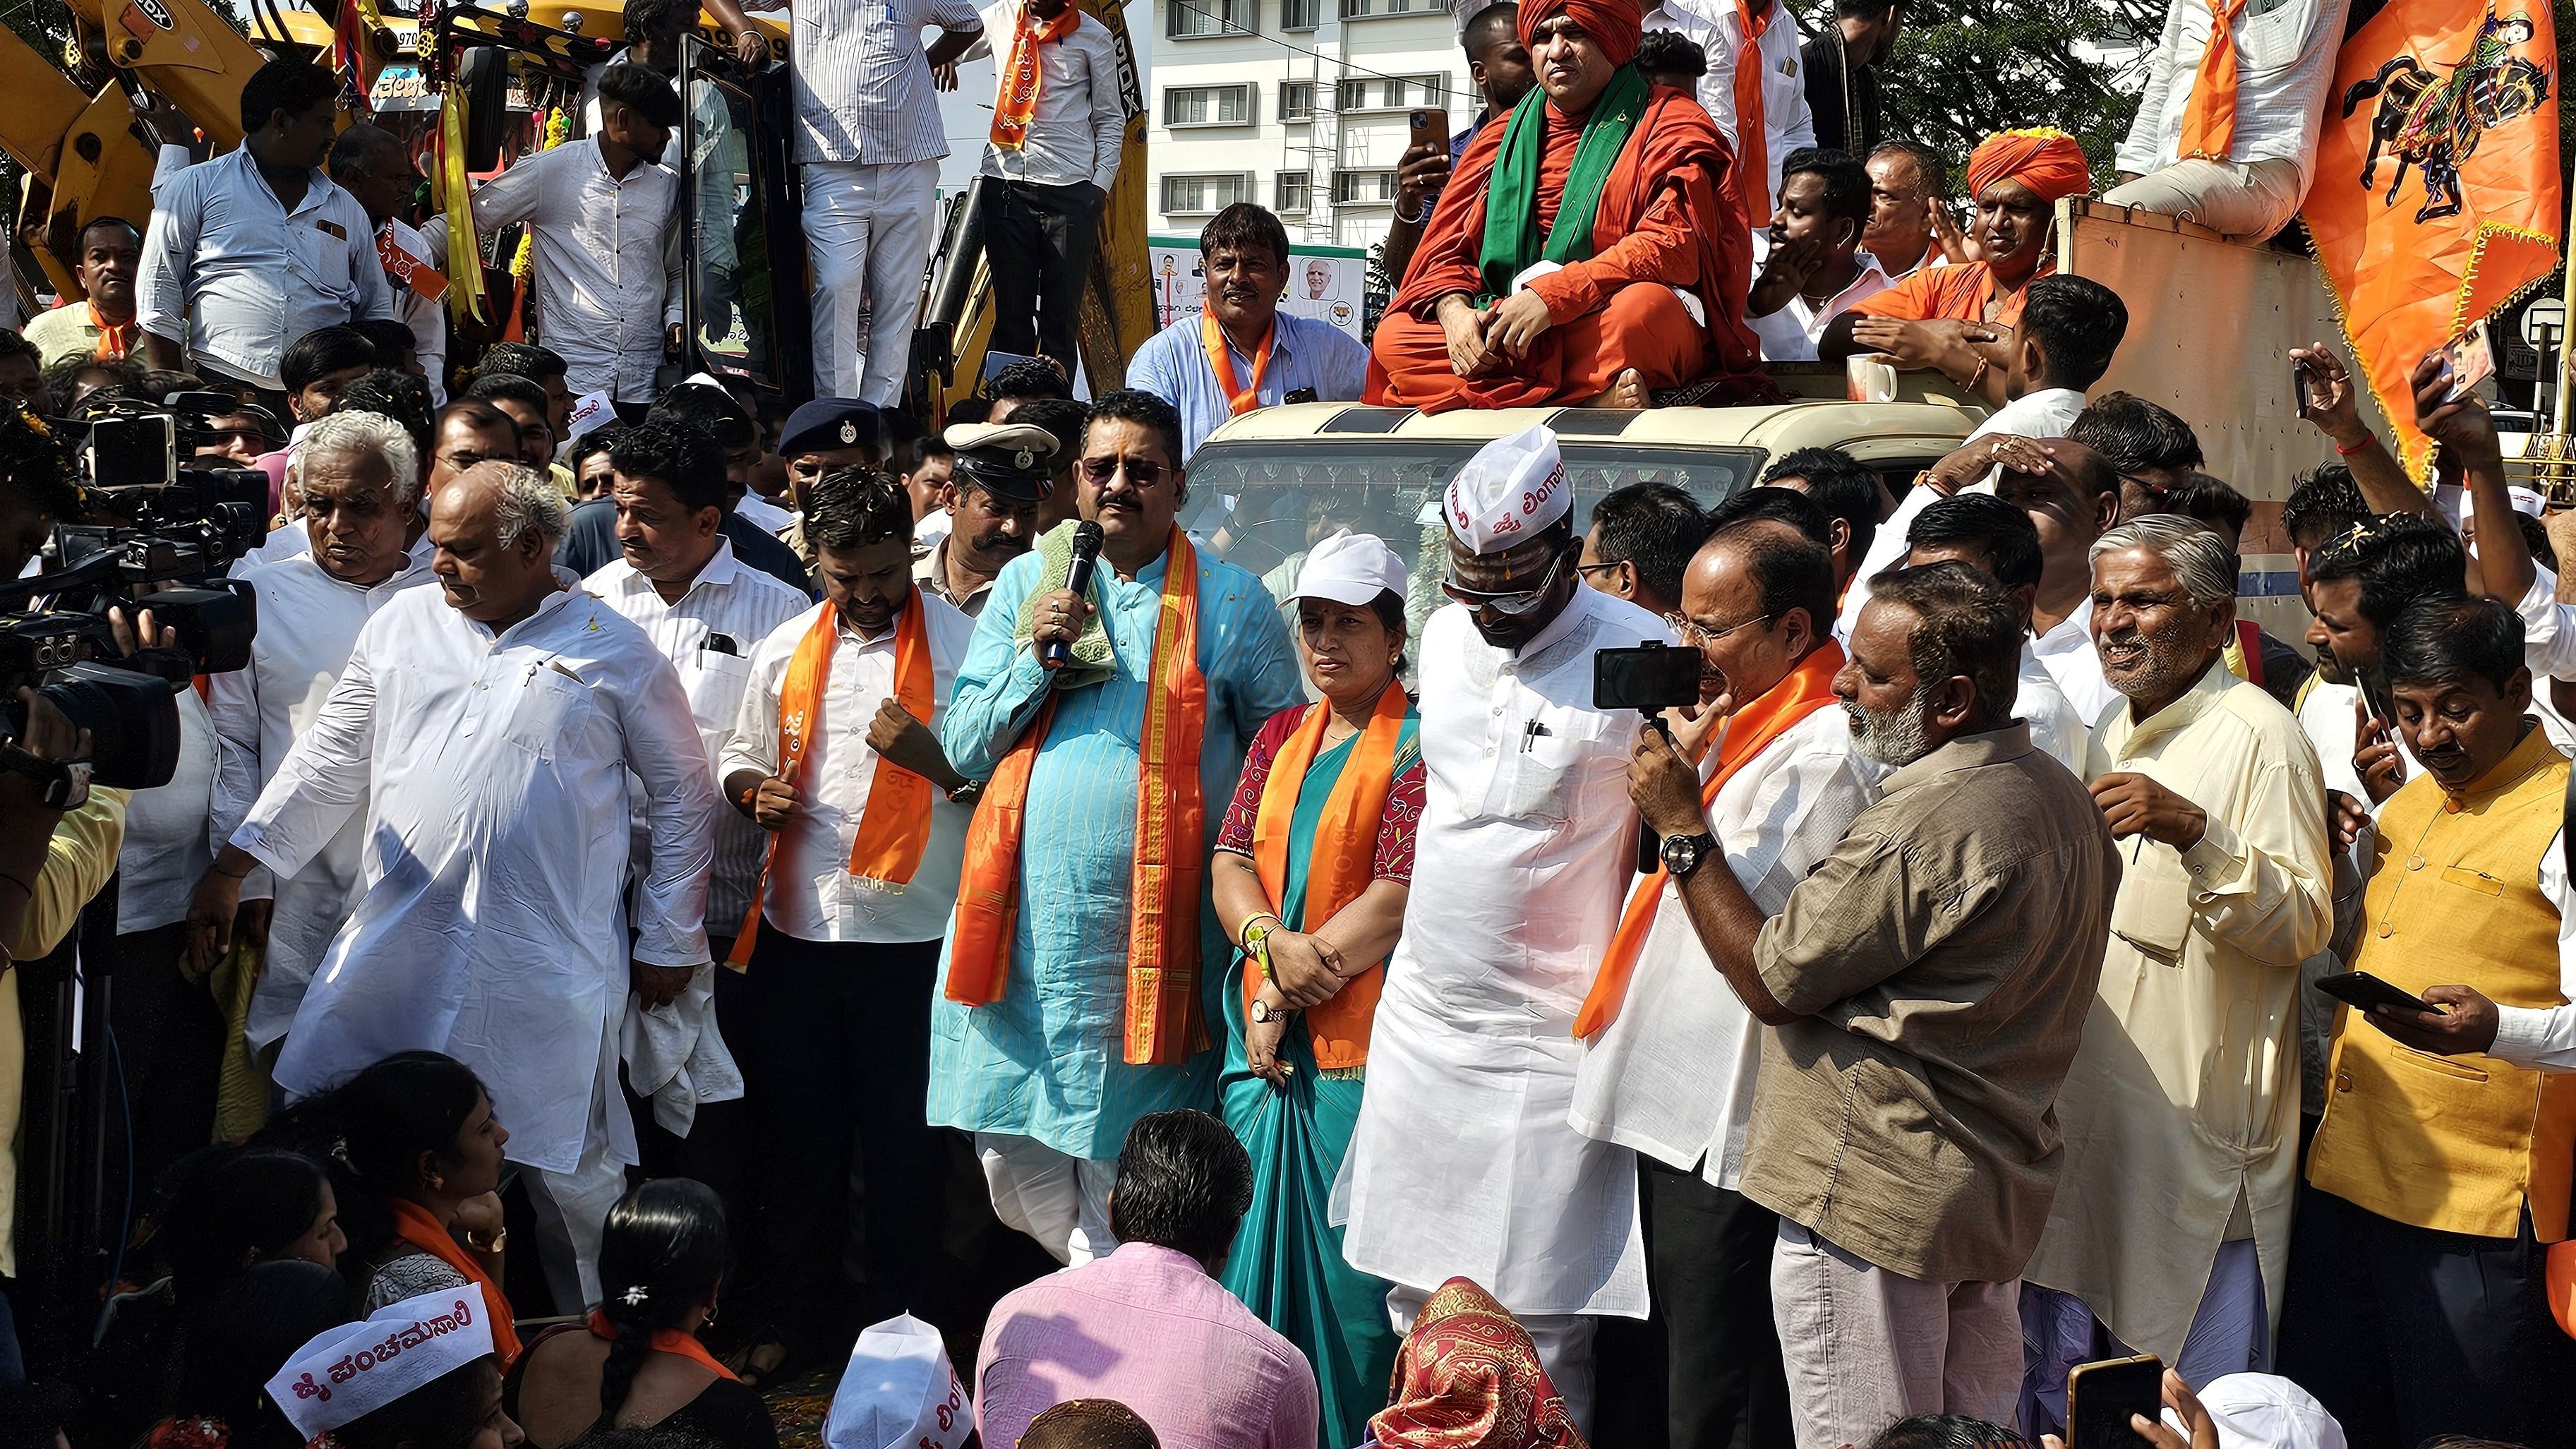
<point>1511,202</point>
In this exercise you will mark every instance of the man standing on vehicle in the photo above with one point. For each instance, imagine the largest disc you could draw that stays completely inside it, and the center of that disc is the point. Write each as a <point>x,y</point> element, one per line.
<point>869,138</point>
<point>1240,352</point>
<point>608,287</point>
<point>372,164</point>
<point>1751,89</point>
<point>1059,123</point>
<point>257,248</point>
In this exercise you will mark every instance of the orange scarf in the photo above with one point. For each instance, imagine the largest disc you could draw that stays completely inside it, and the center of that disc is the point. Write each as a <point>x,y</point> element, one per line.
<point>1343,862</point>
<point>414,1225</point>
<point>667,1340</point>
<point>1752,139</point>
<point>2209,117</point>
<point>1801,692</point>
<point>1164,1024</point>
<point>1022,75</point>
<point>1239,400</point>
<point>115,339</point>
<point>894,829</point>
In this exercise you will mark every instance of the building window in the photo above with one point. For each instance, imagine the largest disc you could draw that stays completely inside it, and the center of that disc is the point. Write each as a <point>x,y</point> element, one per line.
<point>1295,188</point>
<point>1300,14</point>
<point>1207,106</point>
<point>1391,93</point>
<point>1296,100</point>
<point>1205,195</point>
<point>1191,19</point>
<point>1363,188</point>
<point>1380,9</point>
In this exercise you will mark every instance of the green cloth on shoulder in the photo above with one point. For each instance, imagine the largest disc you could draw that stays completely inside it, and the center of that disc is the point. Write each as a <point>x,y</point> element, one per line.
<point>1093,661</point>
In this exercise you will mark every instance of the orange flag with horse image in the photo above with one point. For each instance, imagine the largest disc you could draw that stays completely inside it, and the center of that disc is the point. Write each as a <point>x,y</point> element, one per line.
<point>2436,201</point>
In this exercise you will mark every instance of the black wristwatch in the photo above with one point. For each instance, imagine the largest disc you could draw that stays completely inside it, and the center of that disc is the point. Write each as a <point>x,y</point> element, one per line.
<point>1683,853</point>
<point>66,782</point>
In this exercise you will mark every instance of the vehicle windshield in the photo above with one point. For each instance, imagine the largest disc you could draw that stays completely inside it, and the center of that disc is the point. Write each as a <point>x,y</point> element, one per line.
<point>1261,505</point>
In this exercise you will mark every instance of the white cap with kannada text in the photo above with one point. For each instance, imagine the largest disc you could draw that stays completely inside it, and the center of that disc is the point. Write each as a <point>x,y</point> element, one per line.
<point>358,1368</point>
<point>1513,489</point>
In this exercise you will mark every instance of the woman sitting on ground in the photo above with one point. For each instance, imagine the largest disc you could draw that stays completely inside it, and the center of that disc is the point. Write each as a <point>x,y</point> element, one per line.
<point>637,1363</point>
<point>417,1153</point>
<point>441,1389</point>
<point>249,1328</point>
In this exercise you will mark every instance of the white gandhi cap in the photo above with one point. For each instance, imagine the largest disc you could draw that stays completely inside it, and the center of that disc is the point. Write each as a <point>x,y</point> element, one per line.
<point>2266,1411</point>
<point>1350,568</point>
<point>899,1392</point>
<point>358,1368</point>
<point>1511,490</point>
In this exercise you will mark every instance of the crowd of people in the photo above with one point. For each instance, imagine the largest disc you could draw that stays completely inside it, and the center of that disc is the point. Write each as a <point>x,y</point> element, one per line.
<point>842,894</point>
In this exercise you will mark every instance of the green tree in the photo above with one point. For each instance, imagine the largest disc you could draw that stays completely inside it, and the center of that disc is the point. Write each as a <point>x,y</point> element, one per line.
<point>1965,69</point>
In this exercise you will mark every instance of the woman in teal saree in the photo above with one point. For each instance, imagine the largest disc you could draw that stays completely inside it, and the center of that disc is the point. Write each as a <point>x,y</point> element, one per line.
<point>1311,870</point>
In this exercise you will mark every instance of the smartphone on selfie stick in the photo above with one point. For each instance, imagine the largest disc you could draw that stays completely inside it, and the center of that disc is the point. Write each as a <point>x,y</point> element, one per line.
<point>1648,678</point>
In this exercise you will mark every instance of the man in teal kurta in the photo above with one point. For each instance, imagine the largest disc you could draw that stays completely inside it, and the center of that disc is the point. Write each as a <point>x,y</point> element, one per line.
<point>1039,1073</point>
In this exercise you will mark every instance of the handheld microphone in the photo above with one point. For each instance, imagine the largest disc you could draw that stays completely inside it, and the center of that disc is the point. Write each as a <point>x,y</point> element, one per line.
<point>1086,556</point>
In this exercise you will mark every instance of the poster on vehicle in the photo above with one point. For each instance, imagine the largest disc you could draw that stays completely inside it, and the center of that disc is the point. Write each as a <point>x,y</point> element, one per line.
<point>1330,283</point>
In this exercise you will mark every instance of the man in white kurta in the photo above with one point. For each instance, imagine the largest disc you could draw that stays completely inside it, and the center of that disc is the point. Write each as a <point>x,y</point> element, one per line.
<point>2181,1113</point>
<point>1670,1074</point>
<point>487,731</point>
<point>1463,1162</point>
<point>360,481</point>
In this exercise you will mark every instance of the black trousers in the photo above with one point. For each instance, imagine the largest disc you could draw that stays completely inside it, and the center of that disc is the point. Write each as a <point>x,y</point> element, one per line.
<point>170,1046</point>
<point>1708,1264</point>
<point>835,1049</point>
<point>1041,241</point>
<point>2404,1333</point>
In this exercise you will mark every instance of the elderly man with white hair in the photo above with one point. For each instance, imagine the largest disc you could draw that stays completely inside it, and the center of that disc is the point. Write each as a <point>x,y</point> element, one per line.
<point>2172,1218</point>
<point>484,733</point>
<point>360,478</point>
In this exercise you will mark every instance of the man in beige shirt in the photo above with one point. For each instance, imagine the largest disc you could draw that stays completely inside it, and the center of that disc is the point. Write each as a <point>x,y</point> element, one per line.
<point>1923,989</point>
<point>2181,1113</point>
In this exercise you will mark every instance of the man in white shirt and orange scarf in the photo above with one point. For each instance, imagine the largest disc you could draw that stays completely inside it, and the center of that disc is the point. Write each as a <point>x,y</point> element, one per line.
<point>836,752</point>
<point>1059,125</point>
<point>1670,1052</point>
<point>1076,991</point>
<point>2226,133</point>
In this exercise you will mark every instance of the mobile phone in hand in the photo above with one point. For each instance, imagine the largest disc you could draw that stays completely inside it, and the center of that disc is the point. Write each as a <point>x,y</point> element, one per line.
<point>2363,990</point>
<point>1429,128</point>
<point>2101,1397</point>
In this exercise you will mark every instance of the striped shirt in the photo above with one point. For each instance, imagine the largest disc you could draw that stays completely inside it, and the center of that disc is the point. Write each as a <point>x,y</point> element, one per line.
<point>860,80</point>
<point>746,606</point>
<point>1045,1060</point>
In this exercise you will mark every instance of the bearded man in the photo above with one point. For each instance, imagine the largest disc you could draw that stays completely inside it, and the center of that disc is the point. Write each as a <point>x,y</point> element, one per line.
<point>1590,250</point>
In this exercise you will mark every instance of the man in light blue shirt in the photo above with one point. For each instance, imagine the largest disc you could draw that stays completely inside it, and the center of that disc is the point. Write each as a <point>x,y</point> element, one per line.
<point>1039,1071</point>
<point>1268,355</point>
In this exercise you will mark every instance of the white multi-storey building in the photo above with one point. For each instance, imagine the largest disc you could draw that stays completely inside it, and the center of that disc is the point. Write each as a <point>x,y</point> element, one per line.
<point>1300,105</point>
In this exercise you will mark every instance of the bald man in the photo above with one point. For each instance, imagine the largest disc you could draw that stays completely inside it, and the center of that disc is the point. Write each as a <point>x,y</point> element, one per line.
<point>487,728</point>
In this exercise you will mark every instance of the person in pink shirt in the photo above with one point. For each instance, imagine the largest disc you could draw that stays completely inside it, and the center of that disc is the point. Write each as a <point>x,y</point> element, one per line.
<point>1149,1326</point>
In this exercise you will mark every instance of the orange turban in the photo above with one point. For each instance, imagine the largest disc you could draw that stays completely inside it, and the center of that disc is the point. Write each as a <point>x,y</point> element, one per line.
<point>1618,25</point>
<point>2049,162</point>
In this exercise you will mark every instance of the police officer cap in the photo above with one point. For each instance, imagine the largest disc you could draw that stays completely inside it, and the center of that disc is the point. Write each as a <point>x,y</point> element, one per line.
<point>1009,460</point>
<point>828,424</point>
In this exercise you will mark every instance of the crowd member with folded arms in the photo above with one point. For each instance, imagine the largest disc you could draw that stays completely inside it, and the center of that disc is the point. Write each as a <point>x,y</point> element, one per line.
<point>635,1362</point>
<point>1670,1054</point>
<point>1313,864</point>
<point>2181,1113</point>
<point>2418,1295</point>
<point>836,752</point>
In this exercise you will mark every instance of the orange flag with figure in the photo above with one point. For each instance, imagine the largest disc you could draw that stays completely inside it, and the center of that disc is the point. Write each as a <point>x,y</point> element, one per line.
<point>2435,200</point>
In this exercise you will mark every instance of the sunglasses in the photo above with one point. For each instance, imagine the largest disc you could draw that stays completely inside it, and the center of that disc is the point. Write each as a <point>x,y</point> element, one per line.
<point>1141,472</point>
<point>1515,602</point>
